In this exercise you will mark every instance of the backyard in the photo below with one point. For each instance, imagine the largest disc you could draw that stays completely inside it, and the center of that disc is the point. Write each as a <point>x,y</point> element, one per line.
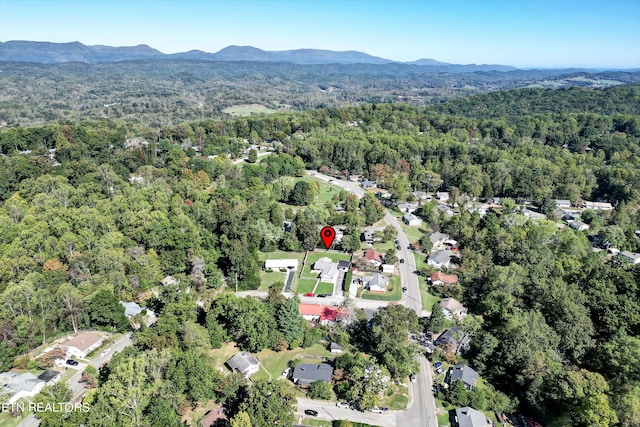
<point>273,363</point>
<point>393,293</point>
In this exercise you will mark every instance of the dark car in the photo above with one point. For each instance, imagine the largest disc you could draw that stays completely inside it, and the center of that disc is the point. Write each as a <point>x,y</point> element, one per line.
<point>72,362</point>
<point>404,289</point>
<point>398,247</point>
<point>311,412</point>
<point>401,260</point>
<point>323,295</point>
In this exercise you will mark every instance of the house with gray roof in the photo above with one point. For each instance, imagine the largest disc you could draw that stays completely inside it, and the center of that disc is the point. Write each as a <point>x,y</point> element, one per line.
<point>327,269</point>
<point>131,309</point>
<point>411,219</point>
<point>440,259</point>
<point>578,225</point>
<point>376,283</point>
<point>306,373</point>
<point>408,207</point>
<point>632,257</point>
<point>469,417</point>
<point>437,238</point>
<point>245,363</point>
<point>468,376</point>
<point>20,385</point>
<point>454,340</point>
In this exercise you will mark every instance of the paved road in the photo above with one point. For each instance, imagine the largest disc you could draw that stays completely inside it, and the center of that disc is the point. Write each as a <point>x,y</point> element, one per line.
<point>77,388</point>
<point>329,411</point>
<point>422,406</point>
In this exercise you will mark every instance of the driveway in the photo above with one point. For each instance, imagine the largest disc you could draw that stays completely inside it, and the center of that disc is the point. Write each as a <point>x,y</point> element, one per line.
<point>329,411</point>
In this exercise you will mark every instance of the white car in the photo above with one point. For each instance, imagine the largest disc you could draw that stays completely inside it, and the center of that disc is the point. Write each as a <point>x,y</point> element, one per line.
<point>106,351</point>
<point>286,372</point>
<point>378,410</point>
<point>342,405</point>
<point>413,378</point>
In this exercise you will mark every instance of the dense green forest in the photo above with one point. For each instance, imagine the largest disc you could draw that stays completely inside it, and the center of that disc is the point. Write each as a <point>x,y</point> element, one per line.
<point>561,324</point>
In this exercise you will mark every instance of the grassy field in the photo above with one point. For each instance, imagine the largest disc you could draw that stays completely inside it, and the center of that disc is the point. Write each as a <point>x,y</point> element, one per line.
<point>6,420</point>
<point>324,288</point>
<point>306,286</point>
<point>316,423</point>
<point>315,256</point>
<point>425,297</point>
<point>393,293</point>
<point>327,191</point>
<point>414,233</point>
<point>399,400</point>
<point>268,279</point>
<point>276,362</point>
<point>244,110</point>
<point>220,355</point>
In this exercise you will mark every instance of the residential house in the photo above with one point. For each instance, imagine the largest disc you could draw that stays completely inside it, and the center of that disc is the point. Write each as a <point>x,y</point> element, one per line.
<point>437,239</point>
<point>469,417</point>
<point>453,308</point>
<point>442,196</point>
<point>49,377</point>
<point>245,363</point>
<point>376,283</point>
<point>421,195</point>
<point>83,344</point>
<point>355,178</point>
<point>306,373</point>
<point>533,214</point>
<point>383,194</point>
<point>446,210</point>
<point>277,264</point>
<point>320,313</point>
<point>327,269</point>
<point>344,265</point>
<point>19,385</point>
<point>468,376</point>
<point>563,203</point>
<point>596,206</point>
<point>408,207</point>
<point>453,340</point>
<point>440,259</point>
<point>335,348</point>
<point>368,237</point>
<point>633,257</point>
<point>440,279</point>
<point>366,184</point>
<point>411,219</point>
<point>131,309</point>
<point>578,225</point>
<point>373,257</point>
<point>388,268</point>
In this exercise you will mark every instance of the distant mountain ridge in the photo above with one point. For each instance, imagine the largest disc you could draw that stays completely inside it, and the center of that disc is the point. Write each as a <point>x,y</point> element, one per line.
<point>47,52</point>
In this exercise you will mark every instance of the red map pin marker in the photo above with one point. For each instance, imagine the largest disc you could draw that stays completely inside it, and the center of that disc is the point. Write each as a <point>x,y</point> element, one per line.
<point>328,234</point>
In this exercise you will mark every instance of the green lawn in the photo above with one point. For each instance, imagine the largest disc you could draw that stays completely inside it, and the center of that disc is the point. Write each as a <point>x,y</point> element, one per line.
<point>315,256</point>
<point>399,400</point>
<point>326,190</point>
<point>426,298</point>
<point>324,288</point>
<point>318,423</point>
<point>268,279</point>
<point>276,362</point>
<point>6,420</point>
<point>393,293</point>
<point>248,110</point>
<point>306,285</point>
<point>414,233</point>
<point>220,355</point>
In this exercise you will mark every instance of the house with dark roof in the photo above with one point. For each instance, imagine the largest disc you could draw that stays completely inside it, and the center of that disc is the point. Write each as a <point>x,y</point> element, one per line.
<point>468,376</point>
<point>469,417</point>
<point>245,363</point>
<point>365,183</point>
<point>344,265</point>
<point>453,340</point>
<point>49,377</point>
<point>306,373</point>
<point>368,237</point>
<point>373,257</point>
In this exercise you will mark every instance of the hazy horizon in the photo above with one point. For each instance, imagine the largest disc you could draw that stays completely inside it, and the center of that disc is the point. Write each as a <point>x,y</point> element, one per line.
<point>523,34</point>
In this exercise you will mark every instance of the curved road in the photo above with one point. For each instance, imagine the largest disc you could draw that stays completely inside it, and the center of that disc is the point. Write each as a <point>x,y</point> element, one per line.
<point>422,405</point>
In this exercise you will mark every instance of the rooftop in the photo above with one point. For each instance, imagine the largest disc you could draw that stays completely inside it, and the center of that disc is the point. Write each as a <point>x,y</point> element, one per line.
<point>83,341</point>
<point>309,372</point>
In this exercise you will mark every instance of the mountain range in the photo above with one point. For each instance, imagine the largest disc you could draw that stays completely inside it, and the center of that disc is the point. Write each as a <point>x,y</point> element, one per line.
<point>47,52</point>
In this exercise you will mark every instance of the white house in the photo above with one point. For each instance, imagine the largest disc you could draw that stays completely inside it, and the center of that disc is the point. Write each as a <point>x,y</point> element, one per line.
<point>453,308</point>
<point>376,283</point>
<point>388,268</point>
<point>440,259</point>
<point>20,385</point>
<point>633,257</point>
<point>411,219</point>
<point>563,203</point>
<point>407,207</point>
<point>276,264</point>
<point>446,210</point>
<point>438,239</point>
<point>442,196</point>
<point>601,206</point>
<point>335,348</point>
<point>83,344</point>
<point>533,214</point>
<point>578,225</point>
<point>327,269</point>
<point>245,363</point>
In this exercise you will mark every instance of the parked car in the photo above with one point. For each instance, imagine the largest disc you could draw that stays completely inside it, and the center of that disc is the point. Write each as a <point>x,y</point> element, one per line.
<point>71,362</point>
<point>106,351</point>
<point>404,289</point>
<point>323,295</point>
<point>398,247</point>
<point>437,365</point>
<point>311,412</point>
<point>401,260</point>
<point>309,294</point>
<point>342,405</point>
<point>413,378</point>
<point>286,372</point>
<point>379,410</point>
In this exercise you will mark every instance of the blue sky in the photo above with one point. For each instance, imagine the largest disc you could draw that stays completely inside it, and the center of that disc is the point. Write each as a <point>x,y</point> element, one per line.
<point>523,33</point>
